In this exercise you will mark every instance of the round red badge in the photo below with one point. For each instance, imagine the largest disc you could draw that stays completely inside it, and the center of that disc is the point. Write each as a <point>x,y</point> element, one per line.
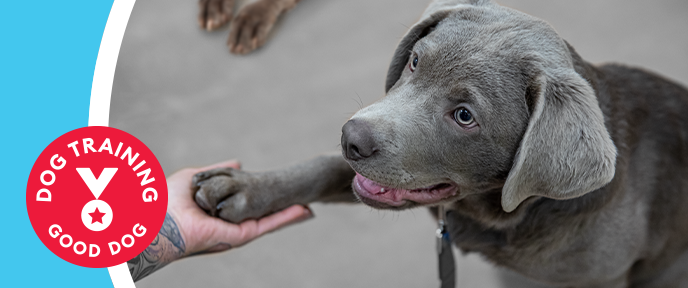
<point>96,197</point>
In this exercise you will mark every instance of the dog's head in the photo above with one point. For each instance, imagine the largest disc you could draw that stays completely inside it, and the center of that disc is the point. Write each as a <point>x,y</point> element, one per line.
<point>479,97</point>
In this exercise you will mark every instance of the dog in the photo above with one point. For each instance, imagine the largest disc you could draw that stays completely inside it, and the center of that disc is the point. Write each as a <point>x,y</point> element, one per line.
<point>251,26</point>
<point>571,174</point>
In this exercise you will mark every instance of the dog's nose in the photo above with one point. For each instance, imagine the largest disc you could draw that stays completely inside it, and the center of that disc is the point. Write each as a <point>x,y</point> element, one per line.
<point>357,140</point>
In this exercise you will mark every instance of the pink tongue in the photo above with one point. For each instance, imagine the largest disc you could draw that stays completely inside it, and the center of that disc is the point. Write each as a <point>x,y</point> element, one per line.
<point>371,186</point>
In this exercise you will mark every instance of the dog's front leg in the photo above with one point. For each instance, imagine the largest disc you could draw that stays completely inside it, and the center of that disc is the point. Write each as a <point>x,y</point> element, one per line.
<point>236,195</point>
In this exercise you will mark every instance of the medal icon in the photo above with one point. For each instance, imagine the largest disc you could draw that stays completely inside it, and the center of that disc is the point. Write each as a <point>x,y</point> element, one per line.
<point>96,214</point>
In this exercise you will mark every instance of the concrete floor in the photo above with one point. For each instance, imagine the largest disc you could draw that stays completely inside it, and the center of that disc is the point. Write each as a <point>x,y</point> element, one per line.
<point>179,90</point>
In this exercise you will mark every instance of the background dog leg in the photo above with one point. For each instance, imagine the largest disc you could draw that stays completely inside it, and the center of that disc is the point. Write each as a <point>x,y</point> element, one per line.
<point>250,28</point>
<point>236,195</point>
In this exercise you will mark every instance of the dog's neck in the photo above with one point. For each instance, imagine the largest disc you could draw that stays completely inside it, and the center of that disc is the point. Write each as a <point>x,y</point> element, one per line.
<point>486,209</point>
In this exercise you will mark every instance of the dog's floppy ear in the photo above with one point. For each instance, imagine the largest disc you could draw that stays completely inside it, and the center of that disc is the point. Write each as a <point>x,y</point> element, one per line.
<point>401,54</point>
<point>566,150</point>
<point>436,12</point>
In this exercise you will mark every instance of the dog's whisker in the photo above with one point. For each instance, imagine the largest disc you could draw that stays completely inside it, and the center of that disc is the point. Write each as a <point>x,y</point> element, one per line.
<point>360,101</point>
<point>360,105</point>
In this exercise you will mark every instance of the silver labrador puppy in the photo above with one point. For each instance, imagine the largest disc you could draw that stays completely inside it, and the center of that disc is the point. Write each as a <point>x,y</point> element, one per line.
<point>571,174</point>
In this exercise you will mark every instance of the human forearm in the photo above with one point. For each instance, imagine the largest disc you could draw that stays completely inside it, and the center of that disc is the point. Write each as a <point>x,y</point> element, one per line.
<point>167,247</point>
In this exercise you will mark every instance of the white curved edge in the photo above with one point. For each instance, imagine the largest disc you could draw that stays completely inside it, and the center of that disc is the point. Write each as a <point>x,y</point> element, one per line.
<point>120,276</point>
<point>104,73</point>
<point>101,89</point>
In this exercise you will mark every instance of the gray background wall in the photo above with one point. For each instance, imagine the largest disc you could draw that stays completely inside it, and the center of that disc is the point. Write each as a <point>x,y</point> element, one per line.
<point>179,90</point>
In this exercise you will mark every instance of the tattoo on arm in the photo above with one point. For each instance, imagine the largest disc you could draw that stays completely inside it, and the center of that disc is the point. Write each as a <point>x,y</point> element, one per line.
<point>167,247</point>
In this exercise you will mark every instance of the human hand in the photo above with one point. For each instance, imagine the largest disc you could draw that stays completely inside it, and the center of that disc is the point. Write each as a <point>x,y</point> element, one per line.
<point>202,233</point>
<point>188,230</point>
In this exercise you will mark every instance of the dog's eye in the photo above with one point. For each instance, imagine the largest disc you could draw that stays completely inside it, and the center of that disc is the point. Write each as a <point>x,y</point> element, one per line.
<point>463,117</point>
<point>414,63</point>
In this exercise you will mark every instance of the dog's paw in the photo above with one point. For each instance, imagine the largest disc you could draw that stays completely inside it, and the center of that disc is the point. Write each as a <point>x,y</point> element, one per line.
<point>250,28</point>
<point>214,13</point>
<point>230,194</point>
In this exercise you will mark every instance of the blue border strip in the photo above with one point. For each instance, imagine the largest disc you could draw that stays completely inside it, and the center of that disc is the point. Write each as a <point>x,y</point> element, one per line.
<point>47,57</point>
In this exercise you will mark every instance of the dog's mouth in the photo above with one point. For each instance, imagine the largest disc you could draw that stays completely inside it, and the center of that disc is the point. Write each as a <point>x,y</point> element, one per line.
<point>379,196</point>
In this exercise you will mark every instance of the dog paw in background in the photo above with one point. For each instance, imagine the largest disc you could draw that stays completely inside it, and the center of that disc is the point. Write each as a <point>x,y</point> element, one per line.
<point>250,28</point>
<point>213,14</point>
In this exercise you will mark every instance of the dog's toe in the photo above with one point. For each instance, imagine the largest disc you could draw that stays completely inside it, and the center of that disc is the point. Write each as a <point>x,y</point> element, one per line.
<point>214,14</point>
<point>204,203</point>
<point>236,209</point>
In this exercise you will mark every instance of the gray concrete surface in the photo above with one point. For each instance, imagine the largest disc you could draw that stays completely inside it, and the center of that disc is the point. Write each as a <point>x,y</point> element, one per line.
<point>179,90</point>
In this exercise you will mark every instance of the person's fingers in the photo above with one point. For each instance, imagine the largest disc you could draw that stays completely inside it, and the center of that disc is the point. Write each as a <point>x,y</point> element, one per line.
<point>237,235</point>
<point>291,215</point>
